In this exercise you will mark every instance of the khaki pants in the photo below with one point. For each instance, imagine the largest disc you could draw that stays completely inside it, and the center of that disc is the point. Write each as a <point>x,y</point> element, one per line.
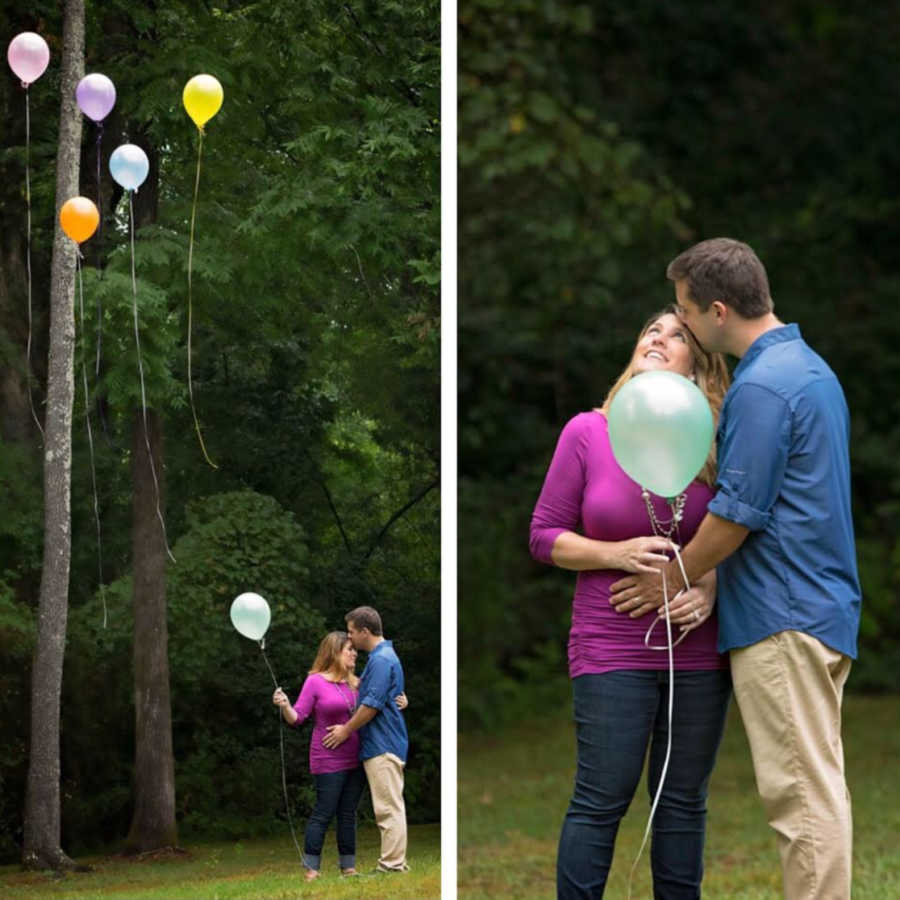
<point>789,688</point>
<point>385,774</point>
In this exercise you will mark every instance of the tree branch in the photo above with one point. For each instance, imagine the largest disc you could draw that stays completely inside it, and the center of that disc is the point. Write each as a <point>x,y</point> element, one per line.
<point>321,482</point>
<point>400,512</point>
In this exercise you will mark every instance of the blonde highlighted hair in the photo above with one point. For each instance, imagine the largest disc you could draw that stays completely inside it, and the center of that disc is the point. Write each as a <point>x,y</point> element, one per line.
<point>712,378</point>
<point>328,658</point>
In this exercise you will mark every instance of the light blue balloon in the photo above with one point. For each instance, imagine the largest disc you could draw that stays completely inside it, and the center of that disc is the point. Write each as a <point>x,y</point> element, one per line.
<point>129,166</point>
<point>251,616</point>
<point>661,429</point>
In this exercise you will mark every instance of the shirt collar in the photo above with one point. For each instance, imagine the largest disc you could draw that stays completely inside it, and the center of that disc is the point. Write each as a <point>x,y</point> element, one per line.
<point>778,335</point>
<point>384,643</point>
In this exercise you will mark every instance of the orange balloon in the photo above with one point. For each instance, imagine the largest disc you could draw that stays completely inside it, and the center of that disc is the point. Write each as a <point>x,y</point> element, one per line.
<point>79,218</point>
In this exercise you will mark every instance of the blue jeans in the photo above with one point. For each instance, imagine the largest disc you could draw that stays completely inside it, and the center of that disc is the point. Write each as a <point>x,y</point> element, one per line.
<point>337,795</point>
<point>617,715</point>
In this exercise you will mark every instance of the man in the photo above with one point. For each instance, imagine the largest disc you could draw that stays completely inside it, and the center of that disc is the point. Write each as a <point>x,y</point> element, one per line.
<point>383,739</point>
<point>781,534</point>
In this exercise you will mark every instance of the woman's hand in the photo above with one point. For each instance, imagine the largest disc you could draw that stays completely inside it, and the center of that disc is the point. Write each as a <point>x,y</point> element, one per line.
<point>642,554</point>
<point>401,701</point>
<point>279,698</point>
<point>691,608</point>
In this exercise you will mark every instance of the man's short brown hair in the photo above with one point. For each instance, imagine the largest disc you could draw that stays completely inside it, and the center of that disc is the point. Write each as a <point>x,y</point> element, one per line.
<point>726,270</point>
<point>365,617</point>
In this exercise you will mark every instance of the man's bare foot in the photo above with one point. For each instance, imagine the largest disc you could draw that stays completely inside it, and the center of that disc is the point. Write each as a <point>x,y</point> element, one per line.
<point>312,874</point>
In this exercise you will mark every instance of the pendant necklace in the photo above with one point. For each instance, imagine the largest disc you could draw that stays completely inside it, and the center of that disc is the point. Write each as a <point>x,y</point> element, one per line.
<point>671,527</point>
<point>666,531</point>
<point>350,703</point>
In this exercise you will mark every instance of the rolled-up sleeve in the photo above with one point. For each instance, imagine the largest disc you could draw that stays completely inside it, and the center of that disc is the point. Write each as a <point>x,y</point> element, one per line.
<point>558,508</point>
<point>754,442</point>
<point>378,683</point>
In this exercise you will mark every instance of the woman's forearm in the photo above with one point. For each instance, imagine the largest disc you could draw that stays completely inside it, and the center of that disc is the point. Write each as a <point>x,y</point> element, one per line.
<point>640,554</point>
<point>578,553</point>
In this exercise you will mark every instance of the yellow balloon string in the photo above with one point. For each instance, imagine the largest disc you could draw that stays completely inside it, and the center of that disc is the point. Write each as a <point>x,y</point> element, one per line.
<point>190,303</point>
<point>28,256</point>
<point>87,419</point>
<point>137,343</point>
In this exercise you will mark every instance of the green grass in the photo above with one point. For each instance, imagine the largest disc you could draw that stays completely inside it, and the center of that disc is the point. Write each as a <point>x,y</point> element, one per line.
<point>266,869</point>
<point>514,789</point>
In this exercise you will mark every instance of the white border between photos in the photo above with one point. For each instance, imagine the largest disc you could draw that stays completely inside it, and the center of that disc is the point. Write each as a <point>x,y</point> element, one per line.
<point>448,450</point>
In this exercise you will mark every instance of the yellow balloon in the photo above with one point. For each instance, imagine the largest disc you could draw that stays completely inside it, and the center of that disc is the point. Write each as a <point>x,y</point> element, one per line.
<point>202,98</point>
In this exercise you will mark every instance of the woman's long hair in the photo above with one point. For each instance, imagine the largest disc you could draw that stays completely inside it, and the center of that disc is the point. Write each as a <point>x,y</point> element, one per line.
<point>328,658</point>
<point>712,378</point>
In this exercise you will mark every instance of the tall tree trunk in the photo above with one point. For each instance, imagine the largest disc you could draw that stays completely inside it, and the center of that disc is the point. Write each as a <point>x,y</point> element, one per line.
<point>42,844</point>
<point>153,825</point>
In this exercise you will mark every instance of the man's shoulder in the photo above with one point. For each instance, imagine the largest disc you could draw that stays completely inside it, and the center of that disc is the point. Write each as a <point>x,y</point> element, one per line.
<point>387,654</point>
<point>785,370</point>
<point>383,657</point>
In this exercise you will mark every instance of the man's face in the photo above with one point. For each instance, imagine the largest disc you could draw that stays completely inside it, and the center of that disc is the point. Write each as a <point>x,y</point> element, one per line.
<point>702,324</point>
<point>357,635</point>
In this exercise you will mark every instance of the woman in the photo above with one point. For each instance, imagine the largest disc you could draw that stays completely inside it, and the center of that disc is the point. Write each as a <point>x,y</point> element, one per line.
<point>329,695</point>
<point>593,519</point>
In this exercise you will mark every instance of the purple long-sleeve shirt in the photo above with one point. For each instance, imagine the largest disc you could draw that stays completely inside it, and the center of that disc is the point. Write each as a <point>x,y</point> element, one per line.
<point>329,703</point>
<point>586,491</point>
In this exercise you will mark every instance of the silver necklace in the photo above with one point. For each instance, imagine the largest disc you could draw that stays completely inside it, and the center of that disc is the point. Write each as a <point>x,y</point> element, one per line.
<point>351,705</point>
<point>670,527</point>
<point>666,531</point>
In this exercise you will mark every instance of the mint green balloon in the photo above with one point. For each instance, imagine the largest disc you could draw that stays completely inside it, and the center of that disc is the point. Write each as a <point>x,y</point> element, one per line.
<point>251,616</point>
<point>661,429</point>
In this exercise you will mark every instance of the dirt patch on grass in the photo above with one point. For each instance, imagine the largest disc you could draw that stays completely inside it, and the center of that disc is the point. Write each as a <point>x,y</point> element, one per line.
<point>163,854</point>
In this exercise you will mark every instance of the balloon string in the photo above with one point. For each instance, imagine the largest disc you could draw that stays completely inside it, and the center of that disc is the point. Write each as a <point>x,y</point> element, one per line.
<point>137,342</point>
<point>190,303</point>
<point>287,804</point>
<point>665,768</point>
<point>87,419</point>
<point>28,255</point>
<point>99,249</point>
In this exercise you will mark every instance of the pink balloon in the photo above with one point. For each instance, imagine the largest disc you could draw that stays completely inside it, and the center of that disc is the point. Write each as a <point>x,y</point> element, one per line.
<point>28,56</point>
<point>96,96</point>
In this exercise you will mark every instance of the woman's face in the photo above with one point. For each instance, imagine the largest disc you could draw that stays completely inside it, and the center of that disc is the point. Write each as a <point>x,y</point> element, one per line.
<point>348,656</point>
<point>664,346</point>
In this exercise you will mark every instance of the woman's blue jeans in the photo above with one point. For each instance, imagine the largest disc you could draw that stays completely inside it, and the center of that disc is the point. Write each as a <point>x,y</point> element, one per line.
<point>617,716</point>
<point>337,796</point>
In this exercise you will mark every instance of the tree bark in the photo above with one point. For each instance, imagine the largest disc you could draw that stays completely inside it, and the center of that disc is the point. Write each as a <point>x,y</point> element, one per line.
<point>42,846</point>
<point>153,824</point>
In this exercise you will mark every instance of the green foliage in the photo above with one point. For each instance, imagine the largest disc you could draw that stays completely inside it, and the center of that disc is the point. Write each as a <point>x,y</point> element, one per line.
<point>225,733</point>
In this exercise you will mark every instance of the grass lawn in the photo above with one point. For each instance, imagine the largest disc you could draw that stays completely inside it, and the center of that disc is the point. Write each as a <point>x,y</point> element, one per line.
<point>514,789</point>
<point>265,869</point>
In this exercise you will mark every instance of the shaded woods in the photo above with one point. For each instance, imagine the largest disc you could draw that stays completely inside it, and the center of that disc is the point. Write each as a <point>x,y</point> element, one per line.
<point>315,355</point>
<point>595,144</point>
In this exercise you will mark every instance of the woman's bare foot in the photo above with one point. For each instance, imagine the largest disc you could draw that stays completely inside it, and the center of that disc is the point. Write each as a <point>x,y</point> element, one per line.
<point>312,874</point>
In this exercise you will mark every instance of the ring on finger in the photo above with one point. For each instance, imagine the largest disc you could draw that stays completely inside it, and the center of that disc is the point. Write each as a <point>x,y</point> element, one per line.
<point>696,614</point>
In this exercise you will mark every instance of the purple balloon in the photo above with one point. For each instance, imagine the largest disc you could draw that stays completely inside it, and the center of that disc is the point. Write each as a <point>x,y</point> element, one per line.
<point>96,96</point>
<point>28,55</point>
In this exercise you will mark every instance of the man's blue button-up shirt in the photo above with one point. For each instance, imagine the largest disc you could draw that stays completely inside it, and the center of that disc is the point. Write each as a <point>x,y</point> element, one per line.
<point>381,681</point>
<point>784,473</point>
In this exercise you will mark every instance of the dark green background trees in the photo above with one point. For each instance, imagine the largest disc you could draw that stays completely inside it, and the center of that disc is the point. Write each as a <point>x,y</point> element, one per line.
<point>595,144</point>
<point>315,367</point>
